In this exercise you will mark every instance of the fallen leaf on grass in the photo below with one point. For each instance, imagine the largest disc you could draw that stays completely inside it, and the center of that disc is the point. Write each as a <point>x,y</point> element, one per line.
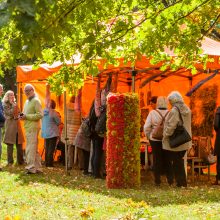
<point>86,213</point>
<point>8,217</point>
<point>17,217</point>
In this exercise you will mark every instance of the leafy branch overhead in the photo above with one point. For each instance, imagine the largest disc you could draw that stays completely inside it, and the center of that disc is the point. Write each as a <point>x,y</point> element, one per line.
<point>52,30</point>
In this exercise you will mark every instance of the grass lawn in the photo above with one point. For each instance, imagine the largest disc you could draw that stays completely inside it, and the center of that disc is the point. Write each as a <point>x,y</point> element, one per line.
<point>54,195</point>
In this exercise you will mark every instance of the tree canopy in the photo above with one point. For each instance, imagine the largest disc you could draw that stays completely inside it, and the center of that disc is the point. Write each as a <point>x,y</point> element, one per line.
<point>51,30</point>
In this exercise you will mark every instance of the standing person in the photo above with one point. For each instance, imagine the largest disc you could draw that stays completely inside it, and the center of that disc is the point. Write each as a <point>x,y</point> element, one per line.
<point>99,109</point>
<point>13,131</point>
<point>217,145</point>
<point>83,142</point>
<point>96,143</point>
<point>2,120</point>
<point>153,102</point>
<point>31,116</point>
<point>154,118</point>
<point>176,155</point>
<point>50,127</point>
<point>73,124</point>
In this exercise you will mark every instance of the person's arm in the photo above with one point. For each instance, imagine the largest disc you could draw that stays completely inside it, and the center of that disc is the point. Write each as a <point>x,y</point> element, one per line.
<point>217,119</point>
<point>38,112</point>
<point>171,122</point>
<point>2,117</point>
<point>148,125</point>
<point>56,118</point>
<point>98,98</point>
<point>47,96</point>
<point>8,111</point>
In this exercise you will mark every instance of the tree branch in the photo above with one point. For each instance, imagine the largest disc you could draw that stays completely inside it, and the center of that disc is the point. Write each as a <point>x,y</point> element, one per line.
<point>198,6</point>
<point>65,13</point>
<point>211,26</point>
<point>133,27</point>
<point>165,3</point>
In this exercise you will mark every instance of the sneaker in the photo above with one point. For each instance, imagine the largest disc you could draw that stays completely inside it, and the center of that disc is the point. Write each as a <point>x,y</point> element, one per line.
<point>39,171</point>
<point>28,172</point>
<point>170,182</point>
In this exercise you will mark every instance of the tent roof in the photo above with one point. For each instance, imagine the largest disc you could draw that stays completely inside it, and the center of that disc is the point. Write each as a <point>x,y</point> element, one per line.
<point>26,73</point>
<point>210,47</point>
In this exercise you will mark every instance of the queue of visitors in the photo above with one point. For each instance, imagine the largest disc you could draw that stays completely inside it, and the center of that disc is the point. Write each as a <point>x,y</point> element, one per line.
<point>89,135</point>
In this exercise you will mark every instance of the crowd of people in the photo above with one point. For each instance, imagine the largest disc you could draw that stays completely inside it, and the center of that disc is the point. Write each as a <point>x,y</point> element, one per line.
<point>167,160</point>
<point>48,120</point>
<point>89,135</point>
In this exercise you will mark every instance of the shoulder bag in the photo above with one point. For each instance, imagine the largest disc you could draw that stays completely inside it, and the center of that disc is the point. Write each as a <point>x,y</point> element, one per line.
<point>180,135</point>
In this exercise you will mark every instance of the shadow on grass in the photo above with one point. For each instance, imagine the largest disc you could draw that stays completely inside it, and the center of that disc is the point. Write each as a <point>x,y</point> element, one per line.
<point>155,196</point>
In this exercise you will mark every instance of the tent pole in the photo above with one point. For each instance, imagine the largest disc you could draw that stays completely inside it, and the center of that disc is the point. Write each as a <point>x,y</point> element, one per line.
<point>134,72</point>
<point>65,133</point>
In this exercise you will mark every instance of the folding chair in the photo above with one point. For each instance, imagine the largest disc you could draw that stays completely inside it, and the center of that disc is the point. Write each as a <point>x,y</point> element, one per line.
<point>197,162</point>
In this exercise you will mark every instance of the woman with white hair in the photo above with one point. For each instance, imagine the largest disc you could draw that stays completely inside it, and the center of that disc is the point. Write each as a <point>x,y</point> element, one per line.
<point>13,131</point>
<point>176,155</point>
<point>154,119</point>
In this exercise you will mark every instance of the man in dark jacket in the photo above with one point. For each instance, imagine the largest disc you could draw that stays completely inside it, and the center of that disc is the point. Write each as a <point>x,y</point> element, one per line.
<point>2,120</point>
<point>217,144</point>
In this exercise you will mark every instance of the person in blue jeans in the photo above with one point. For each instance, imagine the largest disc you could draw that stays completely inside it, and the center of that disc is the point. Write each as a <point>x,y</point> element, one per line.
<point>2,120</point>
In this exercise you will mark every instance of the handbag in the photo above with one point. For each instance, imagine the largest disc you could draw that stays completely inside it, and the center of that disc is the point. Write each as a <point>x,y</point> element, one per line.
<point>180,135</point>
<point>85,126</point>
<point>158,130</point>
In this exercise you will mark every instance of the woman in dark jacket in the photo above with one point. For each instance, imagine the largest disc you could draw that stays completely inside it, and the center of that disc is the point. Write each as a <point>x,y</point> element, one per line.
<point>97,142</point>
<point>217,144</point>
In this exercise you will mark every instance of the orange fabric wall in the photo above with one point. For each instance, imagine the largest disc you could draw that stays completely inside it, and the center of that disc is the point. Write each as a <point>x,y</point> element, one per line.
<point>164,87</point>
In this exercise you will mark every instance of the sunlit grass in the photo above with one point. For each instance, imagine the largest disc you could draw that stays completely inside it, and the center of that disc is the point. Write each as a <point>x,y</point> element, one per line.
<point>54,195</point>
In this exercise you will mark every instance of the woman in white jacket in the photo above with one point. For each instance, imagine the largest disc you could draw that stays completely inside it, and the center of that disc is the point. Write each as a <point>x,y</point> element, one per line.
<point>154,118</point>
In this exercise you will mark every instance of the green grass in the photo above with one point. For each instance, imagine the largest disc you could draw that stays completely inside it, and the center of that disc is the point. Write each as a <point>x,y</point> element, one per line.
<point>54,195</point>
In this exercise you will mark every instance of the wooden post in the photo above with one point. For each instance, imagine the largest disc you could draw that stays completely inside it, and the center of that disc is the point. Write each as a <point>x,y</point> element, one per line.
<point>65,134</point>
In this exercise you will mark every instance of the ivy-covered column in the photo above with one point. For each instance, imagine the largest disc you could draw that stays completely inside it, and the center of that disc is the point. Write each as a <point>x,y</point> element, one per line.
<point>123,140</point>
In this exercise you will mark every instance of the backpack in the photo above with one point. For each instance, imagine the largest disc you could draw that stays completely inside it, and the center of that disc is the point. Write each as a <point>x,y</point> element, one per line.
<point>85,126</point>
<point>157,133</point>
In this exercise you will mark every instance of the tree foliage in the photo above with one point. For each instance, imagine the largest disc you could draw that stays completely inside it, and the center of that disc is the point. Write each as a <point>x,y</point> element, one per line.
<point>51,30</point>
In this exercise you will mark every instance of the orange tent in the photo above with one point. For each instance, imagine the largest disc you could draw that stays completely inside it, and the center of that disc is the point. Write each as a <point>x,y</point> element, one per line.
<point>149,78</point>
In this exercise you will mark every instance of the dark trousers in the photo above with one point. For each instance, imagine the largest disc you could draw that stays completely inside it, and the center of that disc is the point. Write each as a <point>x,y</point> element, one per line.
<point>218,167</point>
<point>160,163</point>
<point>61,147</point>
<point>176,166</point>
<point>97,156</point>
<point>86,155</point>
<point>49,151</point>
<point>10,147</point>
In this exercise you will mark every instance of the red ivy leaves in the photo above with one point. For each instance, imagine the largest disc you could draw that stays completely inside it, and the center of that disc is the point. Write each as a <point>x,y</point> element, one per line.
<point>123,155</point>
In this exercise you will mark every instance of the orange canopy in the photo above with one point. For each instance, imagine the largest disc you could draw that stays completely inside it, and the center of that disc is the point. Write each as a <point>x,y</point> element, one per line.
<point>149,78</point>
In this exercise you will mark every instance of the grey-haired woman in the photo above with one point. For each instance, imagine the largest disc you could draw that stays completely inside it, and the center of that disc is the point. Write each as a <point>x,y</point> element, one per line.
<point>175,155</point>
<point>13,131</point>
